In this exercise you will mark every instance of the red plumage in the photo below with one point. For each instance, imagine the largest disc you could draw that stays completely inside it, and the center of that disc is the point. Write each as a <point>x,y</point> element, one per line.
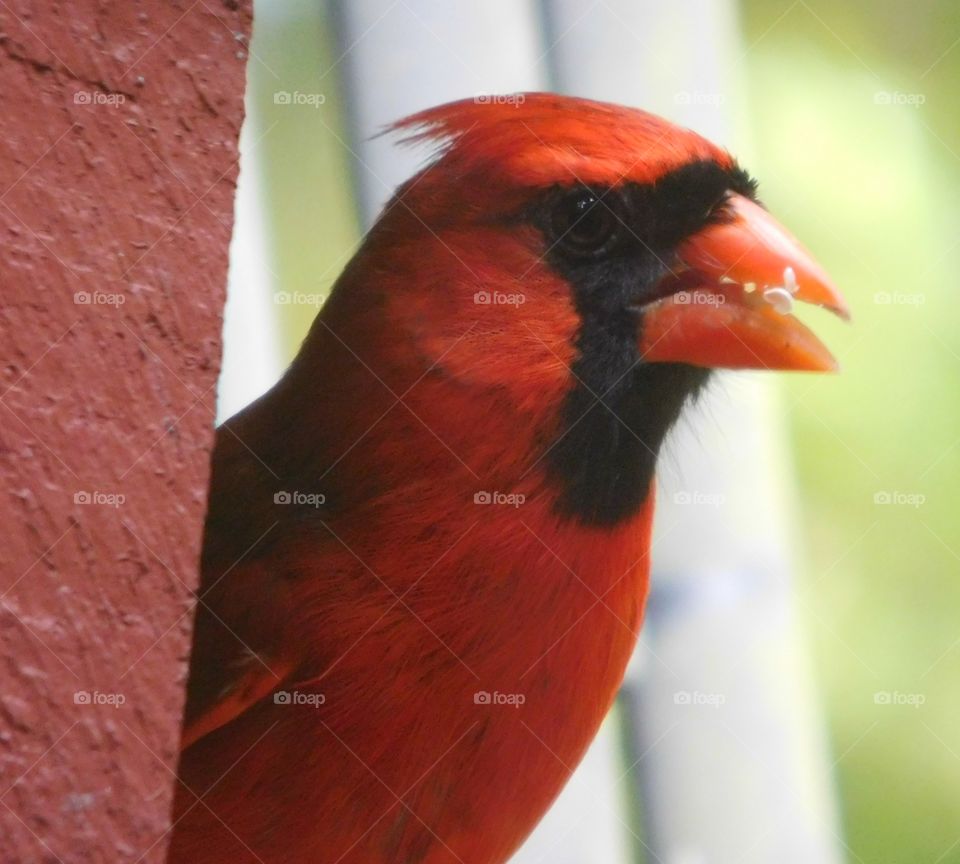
<point>400,598</point>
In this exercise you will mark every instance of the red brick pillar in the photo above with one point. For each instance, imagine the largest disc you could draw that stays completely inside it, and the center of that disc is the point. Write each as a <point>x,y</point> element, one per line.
<point>118,165</point>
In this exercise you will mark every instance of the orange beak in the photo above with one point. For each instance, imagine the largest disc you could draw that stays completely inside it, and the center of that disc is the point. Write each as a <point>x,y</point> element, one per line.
<point>729,303</point>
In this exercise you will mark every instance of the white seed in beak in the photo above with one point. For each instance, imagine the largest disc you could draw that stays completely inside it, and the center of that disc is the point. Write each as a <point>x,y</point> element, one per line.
<point>790,280</point>
<point>780,298</point>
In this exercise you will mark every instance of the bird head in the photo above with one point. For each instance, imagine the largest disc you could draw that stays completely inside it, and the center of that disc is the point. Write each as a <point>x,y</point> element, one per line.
<point>589,264</point>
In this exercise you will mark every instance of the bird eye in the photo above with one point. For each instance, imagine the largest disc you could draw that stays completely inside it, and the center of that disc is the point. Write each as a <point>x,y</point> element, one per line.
<point>585,224</point>
<point>720,210</point>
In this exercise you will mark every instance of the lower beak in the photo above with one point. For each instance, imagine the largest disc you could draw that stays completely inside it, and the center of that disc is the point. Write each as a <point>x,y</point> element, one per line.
<point>729,304</point>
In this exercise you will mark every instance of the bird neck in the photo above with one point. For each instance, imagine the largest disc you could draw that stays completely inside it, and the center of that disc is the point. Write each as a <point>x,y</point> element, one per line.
<point>614,419</point>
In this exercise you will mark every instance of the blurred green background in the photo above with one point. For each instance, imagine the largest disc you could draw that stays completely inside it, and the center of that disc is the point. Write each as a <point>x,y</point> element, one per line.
<point>854,120</point>
<point>848,115</point>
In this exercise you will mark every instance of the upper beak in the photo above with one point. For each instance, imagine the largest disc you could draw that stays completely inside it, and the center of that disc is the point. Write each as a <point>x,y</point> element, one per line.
<point>729,303</point>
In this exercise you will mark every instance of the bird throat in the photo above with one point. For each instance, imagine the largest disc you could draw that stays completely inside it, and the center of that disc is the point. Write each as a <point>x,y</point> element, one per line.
<point>614,419</point>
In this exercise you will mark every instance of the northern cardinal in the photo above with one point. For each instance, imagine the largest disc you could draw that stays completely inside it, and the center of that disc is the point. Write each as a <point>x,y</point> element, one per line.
<point>426,552</point>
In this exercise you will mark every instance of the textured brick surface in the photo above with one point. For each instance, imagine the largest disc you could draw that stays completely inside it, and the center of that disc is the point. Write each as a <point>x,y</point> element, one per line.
<point>118,163</point>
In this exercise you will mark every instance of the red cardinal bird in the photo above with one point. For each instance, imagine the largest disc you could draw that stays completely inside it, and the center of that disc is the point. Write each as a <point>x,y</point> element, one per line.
<point>426,552</point>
